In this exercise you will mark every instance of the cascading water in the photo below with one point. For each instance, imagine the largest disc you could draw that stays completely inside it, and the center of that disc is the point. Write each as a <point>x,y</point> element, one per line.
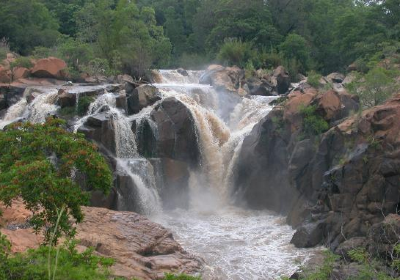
<point>236,243</point>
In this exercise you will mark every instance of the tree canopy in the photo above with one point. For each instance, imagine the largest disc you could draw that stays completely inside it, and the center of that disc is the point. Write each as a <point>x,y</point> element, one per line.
<point>131,36</point>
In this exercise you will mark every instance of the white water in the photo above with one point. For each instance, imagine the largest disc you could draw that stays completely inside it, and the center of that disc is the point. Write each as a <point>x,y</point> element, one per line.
<point>236,244</point>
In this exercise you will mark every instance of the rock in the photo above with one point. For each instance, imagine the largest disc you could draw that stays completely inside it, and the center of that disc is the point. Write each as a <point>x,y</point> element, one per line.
<point>328,104</point>
<point>281,80</point>
<point>124,79</point>
<point>20,73</point>
<point>176,132</point>
<point>347,271</point>
<point>3,102</point>
<point>66,99</point>
<point>182,71</point>
<point>141,249</point>
<point>100,129</point>
<point>50,68</point>
<point>5,75</point>
<point>335,78</point>
<point>224,79</point>
<point>383,236</point>
<point>142,97</point>
<point>350,244</point>
<point>352,67</point>
<point>121,101</point>
<point>156,77</point>
<point>309,235</point>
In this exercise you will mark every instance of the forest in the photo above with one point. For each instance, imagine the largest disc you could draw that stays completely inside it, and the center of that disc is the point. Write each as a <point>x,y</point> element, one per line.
<point>113,36</point>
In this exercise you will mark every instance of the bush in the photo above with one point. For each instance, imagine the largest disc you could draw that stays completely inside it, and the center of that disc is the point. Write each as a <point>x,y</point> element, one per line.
<point>98,67</point>
<point>22,62</point>
<point>313,124</point>
<point>295,48</point>
<point>313,79</point>
<point>375,87</point>
<point>83,104</point>
<point>63,263</point>
<point>268,60</point>
<point>4,48</point>
<point>180,277</point>
<point>236,52</point>
<point>40,159</point>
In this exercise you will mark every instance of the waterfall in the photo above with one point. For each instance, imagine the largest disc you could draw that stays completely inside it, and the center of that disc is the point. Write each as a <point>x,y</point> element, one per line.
<point>220,132</point>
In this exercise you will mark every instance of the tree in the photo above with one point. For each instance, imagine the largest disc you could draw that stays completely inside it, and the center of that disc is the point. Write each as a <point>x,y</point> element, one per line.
<point>295,48</point>
<point>38,163</point>
<point>27,24</point>
<point>375,87</point>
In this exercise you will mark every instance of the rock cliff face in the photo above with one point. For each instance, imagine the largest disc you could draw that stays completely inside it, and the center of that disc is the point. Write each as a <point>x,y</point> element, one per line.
<point>141,248</point>
<point>335,186</point>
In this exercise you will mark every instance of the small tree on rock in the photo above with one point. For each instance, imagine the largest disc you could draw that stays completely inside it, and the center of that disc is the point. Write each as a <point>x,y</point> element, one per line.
<point>38,164</point>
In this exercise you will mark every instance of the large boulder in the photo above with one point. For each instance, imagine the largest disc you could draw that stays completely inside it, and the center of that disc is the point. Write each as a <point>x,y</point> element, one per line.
<point>20,73</point>
<point>281,80</point>
<point>66,99</point>
<point>141,249</point>
<point>50,68</point>
<point>223,78</point>
<point>141,97</point>
<point>176,129</point>
<point>5,75</point>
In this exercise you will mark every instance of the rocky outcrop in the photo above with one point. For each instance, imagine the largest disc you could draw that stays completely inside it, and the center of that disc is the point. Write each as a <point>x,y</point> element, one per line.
<point>141,248</point>
<point>141,97</point>
<point>20,73</point>
<point>50,68</point>
<point>227,79</point>
<point>176,137</point>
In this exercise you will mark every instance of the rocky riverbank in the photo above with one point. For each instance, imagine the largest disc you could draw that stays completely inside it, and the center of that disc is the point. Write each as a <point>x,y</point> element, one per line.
<point>141,248</point>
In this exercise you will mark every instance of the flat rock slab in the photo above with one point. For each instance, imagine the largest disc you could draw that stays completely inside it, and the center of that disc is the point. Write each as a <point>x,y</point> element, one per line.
<point>142,249</point>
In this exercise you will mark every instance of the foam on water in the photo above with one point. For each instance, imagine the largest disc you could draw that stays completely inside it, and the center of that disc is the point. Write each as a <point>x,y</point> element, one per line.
<point>237,244</point>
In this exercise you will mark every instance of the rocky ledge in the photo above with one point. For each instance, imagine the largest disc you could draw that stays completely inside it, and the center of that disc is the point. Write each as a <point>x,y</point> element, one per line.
<point>142,249</point>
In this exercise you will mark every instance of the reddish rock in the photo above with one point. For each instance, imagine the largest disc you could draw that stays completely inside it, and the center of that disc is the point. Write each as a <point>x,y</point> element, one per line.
<point>50,68</point>
<point>5,75</point>
<point>141,248</point>
<point>297,101</point>
<point>20,73</point>
<point>328,104</point>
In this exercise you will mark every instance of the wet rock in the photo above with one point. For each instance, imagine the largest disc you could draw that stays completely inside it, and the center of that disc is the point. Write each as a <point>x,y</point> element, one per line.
<point>121,101</point>
<point>50,68</point>
<point>182,71</point>
<point>176,131</point>
<point>66,99</point>
<point>224,79</point>
<point>155,77</point>
<point>281,80</point>
<point>309,235</point>
<point>141,97</point>
<point>3,102</point>
<point>100,128</point>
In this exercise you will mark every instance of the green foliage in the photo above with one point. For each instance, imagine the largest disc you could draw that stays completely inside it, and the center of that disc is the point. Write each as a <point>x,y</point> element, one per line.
<point>313,124</point>
<point>22,62</point>
<point>27,24</point>
<point>4,48</point>
<point>375,87</point>
<point>83,104</point>
<point>295,48</point>
<point>313,79</point>
<point>34,264</point>
<point>38,163</point>
<point>235,52</point>
<point>169,276</point>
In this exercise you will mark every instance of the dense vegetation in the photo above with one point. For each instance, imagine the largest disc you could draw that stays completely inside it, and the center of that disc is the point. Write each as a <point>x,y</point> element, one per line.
<point>39,164</point>
<point>109,36</point>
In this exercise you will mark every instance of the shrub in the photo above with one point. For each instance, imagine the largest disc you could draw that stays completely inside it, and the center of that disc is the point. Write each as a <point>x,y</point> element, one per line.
<point>295,48</point>
<point>83,104</point>
<point>313,124</point>
<point>63,263</point>
<point>375,87</point>
<point>236,52</point>
<point>313,79</point>
<point>22,62</point>
<point>268,60</point>
<point>98,67</point>
<point>180,277</point>
<point>38,163</point>
<point>4,48</point>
